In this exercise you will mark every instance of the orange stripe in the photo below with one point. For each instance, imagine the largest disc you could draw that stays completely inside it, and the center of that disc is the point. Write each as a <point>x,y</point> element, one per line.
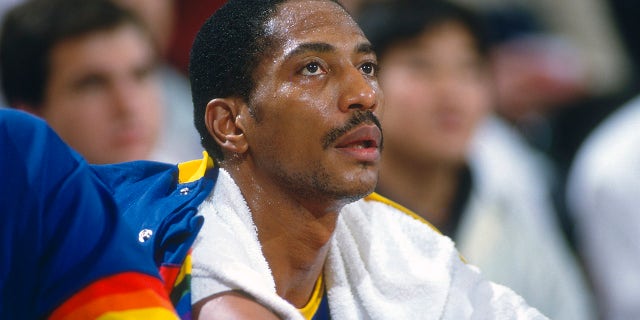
<point>146,291</point>
<point>132,301</point>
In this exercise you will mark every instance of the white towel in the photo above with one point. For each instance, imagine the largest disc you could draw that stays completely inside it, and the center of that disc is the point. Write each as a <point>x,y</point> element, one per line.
<point>382,264</point>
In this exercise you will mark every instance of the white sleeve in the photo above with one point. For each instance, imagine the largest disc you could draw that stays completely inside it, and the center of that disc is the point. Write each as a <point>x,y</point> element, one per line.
<point>604,196</point>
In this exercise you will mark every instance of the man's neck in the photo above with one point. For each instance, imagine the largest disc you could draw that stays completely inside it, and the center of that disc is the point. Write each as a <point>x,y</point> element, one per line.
<point>294,239</point>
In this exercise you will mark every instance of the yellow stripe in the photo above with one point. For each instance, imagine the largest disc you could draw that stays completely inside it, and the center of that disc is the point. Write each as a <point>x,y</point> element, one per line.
<point>184,270</point>
<point>376,197</point>
<point>195,169</point>
<point>148,313</point>
<point>310,309</point>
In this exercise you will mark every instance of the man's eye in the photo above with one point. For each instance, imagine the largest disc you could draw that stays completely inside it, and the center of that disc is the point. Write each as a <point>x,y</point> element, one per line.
<point>90,82</point>
<point>311,69</point>
<point>369,68</point>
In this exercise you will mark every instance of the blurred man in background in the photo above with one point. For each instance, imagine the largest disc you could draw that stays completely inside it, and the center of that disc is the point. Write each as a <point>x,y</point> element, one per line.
<point>446,159</point>
<point>89,69</point>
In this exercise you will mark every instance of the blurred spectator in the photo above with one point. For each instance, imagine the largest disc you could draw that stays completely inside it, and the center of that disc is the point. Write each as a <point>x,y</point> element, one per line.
<point>534,71</point>
<point>603,195</point>
<point>89,69</point>
<point>560,68</point>
<point>586,25</point>
<point>179,140</point>
<point>466,172</point>
<point>546,76</point>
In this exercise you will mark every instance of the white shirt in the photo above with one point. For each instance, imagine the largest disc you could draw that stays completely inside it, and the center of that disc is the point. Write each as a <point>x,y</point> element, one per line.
<point>603,193</point>
<point>509,228</point>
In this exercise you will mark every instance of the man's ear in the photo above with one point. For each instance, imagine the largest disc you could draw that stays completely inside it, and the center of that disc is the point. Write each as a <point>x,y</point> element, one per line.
<point>224,125</point>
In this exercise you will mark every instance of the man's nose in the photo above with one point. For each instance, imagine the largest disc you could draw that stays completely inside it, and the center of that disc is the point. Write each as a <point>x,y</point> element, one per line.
<point>360,91</point>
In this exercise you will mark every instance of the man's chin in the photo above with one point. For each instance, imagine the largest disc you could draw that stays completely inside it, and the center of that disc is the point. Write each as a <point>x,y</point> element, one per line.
<point>355,194</point>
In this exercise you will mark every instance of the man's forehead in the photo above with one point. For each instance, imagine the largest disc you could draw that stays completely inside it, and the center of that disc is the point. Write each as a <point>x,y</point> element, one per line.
<point>312,21</point>
<point>304,16</point>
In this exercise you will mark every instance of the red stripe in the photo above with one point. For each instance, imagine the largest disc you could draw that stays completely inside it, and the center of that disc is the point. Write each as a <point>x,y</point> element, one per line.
<point>169,273</point>
<point>141,290</point>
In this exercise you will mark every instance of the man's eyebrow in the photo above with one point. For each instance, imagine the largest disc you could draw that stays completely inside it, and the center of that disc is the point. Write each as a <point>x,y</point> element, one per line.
<point>321,47</point>
<point>365,47</point>
<point>311,46</point>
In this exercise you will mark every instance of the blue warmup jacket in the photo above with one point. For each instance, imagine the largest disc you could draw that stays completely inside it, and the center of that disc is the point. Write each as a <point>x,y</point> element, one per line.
<point>160,201</point>
<point>64,250</point>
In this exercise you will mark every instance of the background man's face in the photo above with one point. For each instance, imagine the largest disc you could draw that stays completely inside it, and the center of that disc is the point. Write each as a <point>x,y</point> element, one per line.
<point>437,90</point>
<point>318,74</point>
<point>102,96</point>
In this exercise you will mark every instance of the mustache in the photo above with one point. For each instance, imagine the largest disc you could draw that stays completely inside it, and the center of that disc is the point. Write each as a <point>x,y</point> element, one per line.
<point>359,117</point>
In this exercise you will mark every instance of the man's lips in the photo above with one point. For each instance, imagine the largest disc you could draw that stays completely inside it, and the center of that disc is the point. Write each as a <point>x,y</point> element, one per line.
<point>362,143</point>
<point>367,135</point>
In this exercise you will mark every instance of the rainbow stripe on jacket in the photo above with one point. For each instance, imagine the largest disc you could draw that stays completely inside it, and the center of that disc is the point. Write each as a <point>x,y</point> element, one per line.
<point>65,251</point>
<point>123,296</point>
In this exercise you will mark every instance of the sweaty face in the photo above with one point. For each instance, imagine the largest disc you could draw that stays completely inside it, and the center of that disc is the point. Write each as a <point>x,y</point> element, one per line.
<point>314,132</point>
<point>436,92</point>
<point>102,95</point>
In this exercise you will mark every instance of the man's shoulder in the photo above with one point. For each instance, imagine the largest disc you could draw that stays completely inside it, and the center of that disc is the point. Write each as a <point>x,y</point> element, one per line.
<point>613,141</point>
<point>394,208</point>
<point>18,119</point>
<point>604,166</point>
<point>375,217</point>
<point>148,194</point>
<point>136,173</point>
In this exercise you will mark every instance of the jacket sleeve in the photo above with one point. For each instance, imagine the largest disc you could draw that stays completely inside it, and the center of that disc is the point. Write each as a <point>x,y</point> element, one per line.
<point>64,252</point>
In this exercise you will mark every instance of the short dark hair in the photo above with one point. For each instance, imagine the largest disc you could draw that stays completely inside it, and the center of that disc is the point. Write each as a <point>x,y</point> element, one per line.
<point>224,55</point>
<point>31,30</point>
<point>390,22</point>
